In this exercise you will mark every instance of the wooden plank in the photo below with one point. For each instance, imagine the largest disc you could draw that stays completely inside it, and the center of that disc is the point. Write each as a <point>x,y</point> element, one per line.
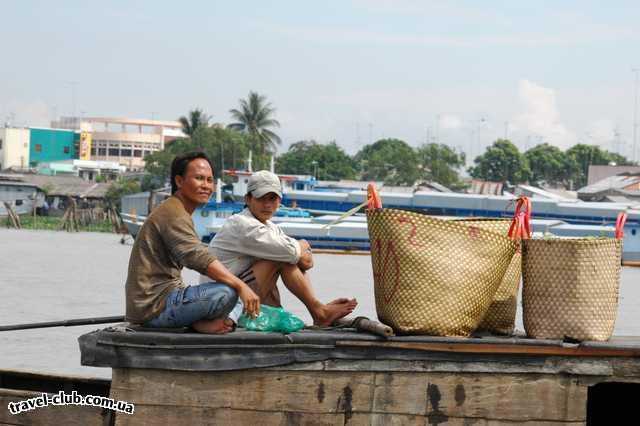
<point>169,415</point>
<point>505,397</point>
<point>508,397</point>
<point>599,368</point>
<point>50,415</point>
<point>375,419</point>
<point>263,390</point>
<point>509,349</point>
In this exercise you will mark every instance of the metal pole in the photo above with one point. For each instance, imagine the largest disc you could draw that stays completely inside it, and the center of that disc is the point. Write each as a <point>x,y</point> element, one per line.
<point>635,117</point>
<point>64,323</point>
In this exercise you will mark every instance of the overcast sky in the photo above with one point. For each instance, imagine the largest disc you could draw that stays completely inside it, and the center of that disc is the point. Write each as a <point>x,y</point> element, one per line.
<point>460,72</point>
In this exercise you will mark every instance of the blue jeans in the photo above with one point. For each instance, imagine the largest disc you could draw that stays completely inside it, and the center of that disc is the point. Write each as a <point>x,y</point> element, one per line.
<point>184,306</point>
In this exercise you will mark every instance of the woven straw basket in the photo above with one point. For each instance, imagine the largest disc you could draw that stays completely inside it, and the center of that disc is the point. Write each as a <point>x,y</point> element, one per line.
<point>501,316</point>
<point>433,276</point>
<point>570,287</point>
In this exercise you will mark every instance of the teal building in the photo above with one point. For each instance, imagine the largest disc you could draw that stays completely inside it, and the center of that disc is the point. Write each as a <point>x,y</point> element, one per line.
<point>48,145</point>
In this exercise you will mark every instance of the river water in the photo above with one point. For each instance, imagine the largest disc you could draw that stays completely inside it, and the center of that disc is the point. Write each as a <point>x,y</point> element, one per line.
<point>51,276</point>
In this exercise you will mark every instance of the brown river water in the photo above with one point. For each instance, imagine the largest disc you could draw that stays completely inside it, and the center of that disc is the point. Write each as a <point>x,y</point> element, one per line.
<point>52,276</point>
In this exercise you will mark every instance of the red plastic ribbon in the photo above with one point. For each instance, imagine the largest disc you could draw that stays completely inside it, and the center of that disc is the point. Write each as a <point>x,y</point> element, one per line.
<point>374,201</point>
<point>620,221</point>
<point>520,228</point>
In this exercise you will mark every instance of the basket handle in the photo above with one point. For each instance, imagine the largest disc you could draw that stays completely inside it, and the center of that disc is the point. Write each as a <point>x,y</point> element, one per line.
<point>520,228</point>
<point>620,221</point>
<point>373,198</point>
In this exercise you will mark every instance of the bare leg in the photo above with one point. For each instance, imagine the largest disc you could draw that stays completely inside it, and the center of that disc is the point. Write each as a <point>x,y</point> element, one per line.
<point>264,281</point>
<point>323,314</point>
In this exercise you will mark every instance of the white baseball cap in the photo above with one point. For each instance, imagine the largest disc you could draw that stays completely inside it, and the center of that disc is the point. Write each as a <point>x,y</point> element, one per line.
<point>263,182</point>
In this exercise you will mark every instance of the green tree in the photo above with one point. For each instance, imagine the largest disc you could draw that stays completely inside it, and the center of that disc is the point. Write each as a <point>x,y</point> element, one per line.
<point>195,119</point>
<point>582,156</point>
<point>390,160</point>
<point>549,165</point>
<point>119,188</point>
<point>255,117</point>
<point>305,157</point>
<point>501,162</point>
<point>227,149</point>
<point>440,163</point>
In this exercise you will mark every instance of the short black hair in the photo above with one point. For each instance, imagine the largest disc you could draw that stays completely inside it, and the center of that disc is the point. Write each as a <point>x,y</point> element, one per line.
<point>180,163</point>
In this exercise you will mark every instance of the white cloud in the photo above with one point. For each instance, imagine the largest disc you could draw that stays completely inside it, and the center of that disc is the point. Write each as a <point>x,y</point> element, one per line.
<point>601,132</point>
<point>541,116</point>
<point>450,122</point>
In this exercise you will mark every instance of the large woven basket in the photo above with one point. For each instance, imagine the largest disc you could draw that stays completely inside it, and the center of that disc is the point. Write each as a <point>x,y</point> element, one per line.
<point>433,276</point>
<point>570,287</point>
<point>501,315</point>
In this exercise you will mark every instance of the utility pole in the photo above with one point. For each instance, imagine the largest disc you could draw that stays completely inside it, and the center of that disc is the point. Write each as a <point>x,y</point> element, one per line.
<point>73,85</point>
<point>635,116</point>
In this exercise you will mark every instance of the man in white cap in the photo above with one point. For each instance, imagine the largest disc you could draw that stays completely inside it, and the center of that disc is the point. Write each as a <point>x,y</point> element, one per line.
<point>258,252</point>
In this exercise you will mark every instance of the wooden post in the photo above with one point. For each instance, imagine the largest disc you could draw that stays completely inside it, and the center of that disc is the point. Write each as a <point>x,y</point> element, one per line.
<point>13,217</point>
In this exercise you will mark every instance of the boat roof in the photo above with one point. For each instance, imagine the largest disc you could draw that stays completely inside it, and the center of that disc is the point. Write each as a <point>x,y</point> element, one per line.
<point>178,349</point>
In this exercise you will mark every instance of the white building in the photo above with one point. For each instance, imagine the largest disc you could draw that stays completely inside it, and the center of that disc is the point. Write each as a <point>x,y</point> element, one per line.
<point>14,148</point>
<point>85,169</point>
<point>124,140</point>
<point>22,197</point>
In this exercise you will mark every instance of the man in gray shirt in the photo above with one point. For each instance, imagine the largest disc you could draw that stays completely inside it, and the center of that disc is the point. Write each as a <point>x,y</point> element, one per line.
<point>258,252</point>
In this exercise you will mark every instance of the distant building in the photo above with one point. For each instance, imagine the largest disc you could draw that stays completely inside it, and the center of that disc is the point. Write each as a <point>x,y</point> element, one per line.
<point>22,197</point>
<point>85,169</point>
<point>56,188</point>
<point>14,148</point>
<point>622,188</point>
<point>124,140</point>
<point>597,173</point>
<point>47,145</point>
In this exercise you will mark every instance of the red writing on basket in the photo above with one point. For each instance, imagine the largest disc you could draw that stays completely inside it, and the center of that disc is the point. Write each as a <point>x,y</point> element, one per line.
<point>412,233</point>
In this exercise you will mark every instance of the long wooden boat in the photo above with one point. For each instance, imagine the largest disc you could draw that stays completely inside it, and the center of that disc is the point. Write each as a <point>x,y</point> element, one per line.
<point>17,386</point>
<point>349,378</point>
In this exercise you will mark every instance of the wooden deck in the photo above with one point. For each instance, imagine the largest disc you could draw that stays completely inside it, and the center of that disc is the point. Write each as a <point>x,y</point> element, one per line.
<point>348,378</point>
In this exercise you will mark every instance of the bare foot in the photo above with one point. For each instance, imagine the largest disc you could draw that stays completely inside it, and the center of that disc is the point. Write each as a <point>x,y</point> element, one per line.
<point>216,326</point>
<point>334,310</point>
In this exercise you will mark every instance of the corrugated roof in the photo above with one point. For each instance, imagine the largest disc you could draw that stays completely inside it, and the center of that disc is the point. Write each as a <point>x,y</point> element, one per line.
<point>62,186</point>
<point>620,181</point>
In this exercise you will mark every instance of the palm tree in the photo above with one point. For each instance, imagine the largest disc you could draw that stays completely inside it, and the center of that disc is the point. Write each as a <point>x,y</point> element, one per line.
<point>255,117</point>
<point>197,118</point>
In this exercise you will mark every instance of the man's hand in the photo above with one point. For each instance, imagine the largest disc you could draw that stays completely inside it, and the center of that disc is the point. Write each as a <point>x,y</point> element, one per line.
<point>250,299</point>
<point>217,272</point>
<point>306,257</point>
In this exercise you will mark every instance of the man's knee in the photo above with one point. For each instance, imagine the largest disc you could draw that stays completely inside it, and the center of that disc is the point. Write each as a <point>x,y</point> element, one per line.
<point>228,297</point>
<point>268,265</point>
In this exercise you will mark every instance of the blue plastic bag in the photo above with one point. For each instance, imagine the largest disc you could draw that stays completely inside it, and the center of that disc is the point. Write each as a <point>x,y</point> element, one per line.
<point>271,319</point>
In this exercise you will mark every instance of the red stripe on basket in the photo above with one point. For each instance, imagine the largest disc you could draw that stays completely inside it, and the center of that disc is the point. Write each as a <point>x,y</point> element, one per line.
<point>620,221</point>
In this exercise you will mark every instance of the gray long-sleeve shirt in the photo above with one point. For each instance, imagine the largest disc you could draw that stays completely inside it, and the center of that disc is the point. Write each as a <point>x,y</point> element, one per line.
<point>243,240</point>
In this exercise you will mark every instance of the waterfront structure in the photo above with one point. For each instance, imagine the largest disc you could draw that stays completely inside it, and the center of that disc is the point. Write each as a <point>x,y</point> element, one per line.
<point>14,148</point>
<point>124,140</point>
<point>22,197</point>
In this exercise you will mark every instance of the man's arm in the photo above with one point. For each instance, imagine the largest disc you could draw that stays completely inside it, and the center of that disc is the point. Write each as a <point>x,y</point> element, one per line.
<point>306,257</point>
<point>217,272</point>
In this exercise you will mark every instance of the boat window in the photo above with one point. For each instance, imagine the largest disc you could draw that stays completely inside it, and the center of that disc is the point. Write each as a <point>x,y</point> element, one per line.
<point>633,232</point>
<point>18,202</point>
